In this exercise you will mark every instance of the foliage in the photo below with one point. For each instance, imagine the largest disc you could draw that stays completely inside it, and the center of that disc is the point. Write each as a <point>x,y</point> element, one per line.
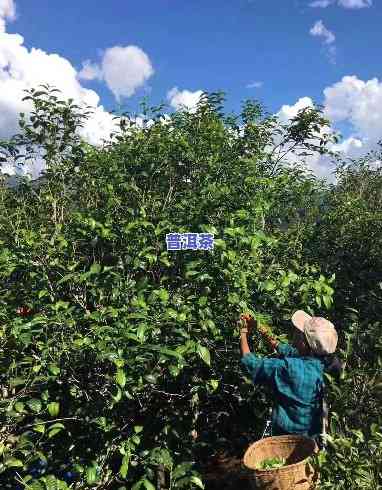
<point>271,463</point>
<point>126,369</point>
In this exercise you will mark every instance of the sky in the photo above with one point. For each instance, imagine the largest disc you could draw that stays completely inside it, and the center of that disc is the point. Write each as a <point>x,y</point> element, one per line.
<point>285,53</point>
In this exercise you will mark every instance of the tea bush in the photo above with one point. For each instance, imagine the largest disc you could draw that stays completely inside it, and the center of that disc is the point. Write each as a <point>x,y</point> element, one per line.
<point>125,369</point>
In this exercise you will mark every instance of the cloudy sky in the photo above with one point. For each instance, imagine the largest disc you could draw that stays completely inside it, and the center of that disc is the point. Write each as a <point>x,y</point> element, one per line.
<point>285,53</point>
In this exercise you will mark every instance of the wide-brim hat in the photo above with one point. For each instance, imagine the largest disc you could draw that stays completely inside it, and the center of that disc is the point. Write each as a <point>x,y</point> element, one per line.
<point>319,332</point>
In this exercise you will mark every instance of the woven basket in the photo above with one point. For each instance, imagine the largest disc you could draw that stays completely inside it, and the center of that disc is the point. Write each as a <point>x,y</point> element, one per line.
<point>298,474</point>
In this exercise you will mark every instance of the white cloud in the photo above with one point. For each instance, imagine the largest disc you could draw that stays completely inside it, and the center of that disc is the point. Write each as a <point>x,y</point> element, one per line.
<point>347,4</point>
<point>328,38</point>
<point>321,3</point>
<point>319,30</point>
<point>184,99</point>
<point>355,4</point>
<point>351,147</point>
<point>255,85</point>
<point>21,68</point>
<point>124,69</point>
<point>90,71</point>
<point>359,103</point>
<point>320,165</point>
<point>288,112</point>
<point>7,12</point>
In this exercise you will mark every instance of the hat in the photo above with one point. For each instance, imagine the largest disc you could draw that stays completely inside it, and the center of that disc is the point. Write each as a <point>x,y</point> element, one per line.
<point>319,332</point>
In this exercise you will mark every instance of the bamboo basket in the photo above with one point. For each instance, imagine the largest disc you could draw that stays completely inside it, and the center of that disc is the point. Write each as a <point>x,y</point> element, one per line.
<point>298,474</point>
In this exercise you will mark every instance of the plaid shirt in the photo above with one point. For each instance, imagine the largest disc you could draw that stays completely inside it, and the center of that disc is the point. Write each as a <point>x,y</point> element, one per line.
<point>297,384</point>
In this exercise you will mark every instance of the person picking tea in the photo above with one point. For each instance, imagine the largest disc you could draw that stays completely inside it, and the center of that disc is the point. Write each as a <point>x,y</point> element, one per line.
<point>296,377</point>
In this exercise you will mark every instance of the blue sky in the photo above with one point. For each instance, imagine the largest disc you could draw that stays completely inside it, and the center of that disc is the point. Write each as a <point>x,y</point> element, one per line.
<point>211,45</point>
<point>285,53</point>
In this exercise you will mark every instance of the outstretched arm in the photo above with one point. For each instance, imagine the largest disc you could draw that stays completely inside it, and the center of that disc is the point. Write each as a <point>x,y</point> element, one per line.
<point>244,347</point>
<point>261,370</point>
<point>246,327</point>
<point>281,347</point>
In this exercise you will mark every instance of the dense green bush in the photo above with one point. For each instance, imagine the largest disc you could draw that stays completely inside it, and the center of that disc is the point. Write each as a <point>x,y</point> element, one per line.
<point>128,362</point>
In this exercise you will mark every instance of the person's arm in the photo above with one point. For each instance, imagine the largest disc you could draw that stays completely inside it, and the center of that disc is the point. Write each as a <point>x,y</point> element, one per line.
<point>247,327</point>
<point>281,347</point>
<point>262,371</point>
<point>244,331</point>
<point>244,347</point>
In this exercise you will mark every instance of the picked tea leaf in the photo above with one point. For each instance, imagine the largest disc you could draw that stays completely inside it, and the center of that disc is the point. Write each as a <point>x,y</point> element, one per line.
<point>271,463</point>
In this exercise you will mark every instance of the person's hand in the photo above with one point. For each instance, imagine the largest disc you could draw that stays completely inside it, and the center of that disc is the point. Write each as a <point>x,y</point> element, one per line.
<point>267,335</point>
<point>246,323</point>
<point>262,330</point>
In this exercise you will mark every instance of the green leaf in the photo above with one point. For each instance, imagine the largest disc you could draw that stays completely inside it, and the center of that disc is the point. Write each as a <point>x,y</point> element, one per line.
<point>203,277</point>
<point>182,317</point>
<point>197,481</point>
<point>204,354</point>
<point>174,371</point>
<point>19,407</point>
<point>52,483</point>
<point>138,429</point>
<point>118,396</point>
<point>233,298</point>
<point>35,405</point>
<point>165,261</point>
<point>163,295</point>
<point>191,274</point>
<point>95,268</point>
<point>141,332</point>
<point>61,304</point>
<point>272,463</point>
<point>124,466</point>
<point>285,282</point>
<point>54,408</point>
<point>327,301</point>
<point>214,383</point>
<point>119,362</point>
<point>137,485</point>
<point>269,285</point>
<point>148,485</point>
<point>54,369</point>
<point>136,440</point>
<point>171,313</point>
<point>170,352</point>
<point>181,470</point>
<point>39,428</point>
<point>14,463</point>
<point>55,429</point>
<point>120,378</point>
<point>34,486</point>
<point>91,475</point>
<point>13,382</point>
<point>219,243</point>
<point>202,300</point>
<point>57,425</point>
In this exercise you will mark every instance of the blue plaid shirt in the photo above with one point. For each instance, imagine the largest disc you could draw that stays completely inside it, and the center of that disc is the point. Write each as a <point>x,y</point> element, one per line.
<point>297,384</point>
